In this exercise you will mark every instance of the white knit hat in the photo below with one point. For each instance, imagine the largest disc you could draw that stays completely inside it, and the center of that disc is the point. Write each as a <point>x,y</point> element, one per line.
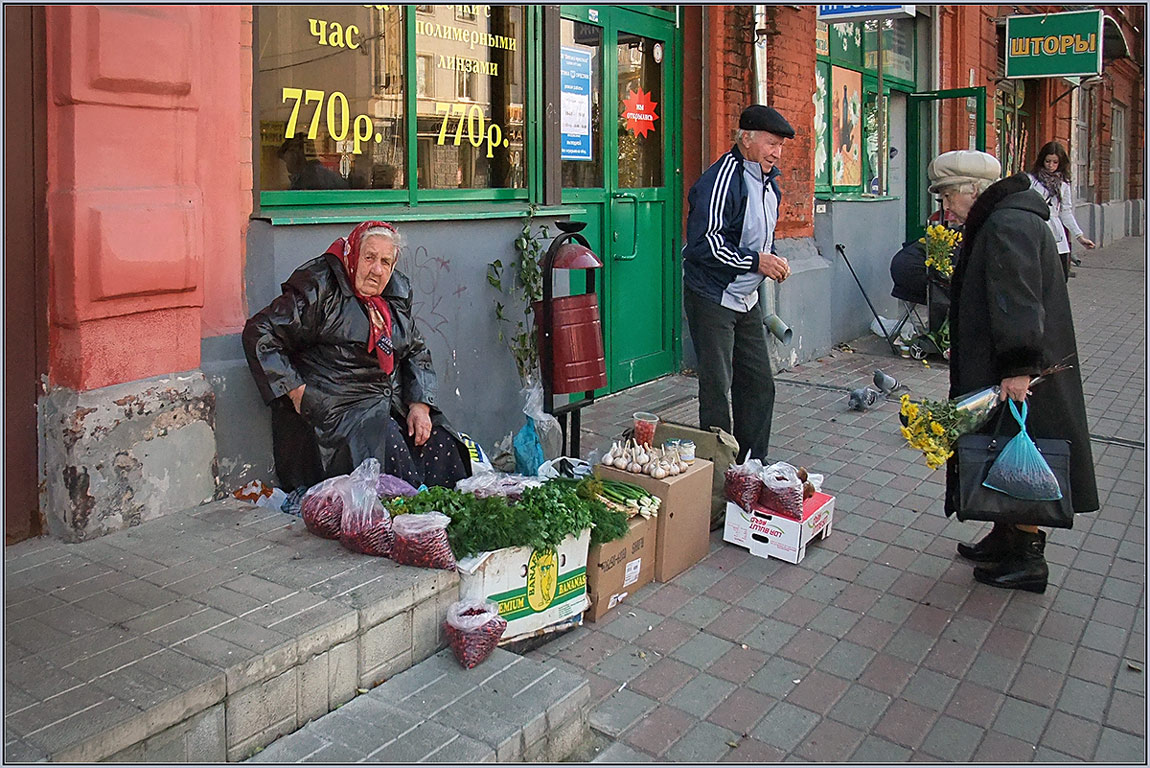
<point>960,166</point>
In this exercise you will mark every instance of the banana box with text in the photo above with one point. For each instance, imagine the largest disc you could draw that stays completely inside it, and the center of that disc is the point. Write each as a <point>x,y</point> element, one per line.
<point>767,534</point>
<point>534,588</point>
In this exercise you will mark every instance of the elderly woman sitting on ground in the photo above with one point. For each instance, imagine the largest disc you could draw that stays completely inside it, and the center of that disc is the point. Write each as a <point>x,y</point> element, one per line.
<point>348,376</point>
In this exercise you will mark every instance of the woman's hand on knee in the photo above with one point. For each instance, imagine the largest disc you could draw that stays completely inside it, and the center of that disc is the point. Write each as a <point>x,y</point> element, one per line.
<point>419,422</point>
<point>296,396</point>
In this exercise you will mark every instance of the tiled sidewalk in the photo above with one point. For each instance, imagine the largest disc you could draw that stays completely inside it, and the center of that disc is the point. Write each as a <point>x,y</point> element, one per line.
<point>879,646</point>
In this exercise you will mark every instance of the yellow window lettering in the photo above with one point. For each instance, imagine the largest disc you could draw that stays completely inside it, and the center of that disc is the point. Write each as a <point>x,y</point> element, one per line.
<point>347,36</point>
<point>318,28</point>
<point>335,37</point>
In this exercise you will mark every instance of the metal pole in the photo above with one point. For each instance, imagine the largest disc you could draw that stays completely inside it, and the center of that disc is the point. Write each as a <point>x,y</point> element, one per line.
<point>881,119</point>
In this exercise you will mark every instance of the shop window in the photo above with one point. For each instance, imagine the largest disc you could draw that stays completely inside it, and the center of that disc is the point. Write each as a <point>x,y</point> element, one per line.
<point>330,97</point>
<point>845,94</point>
<point>1118,152</point>
<point>345,94</point>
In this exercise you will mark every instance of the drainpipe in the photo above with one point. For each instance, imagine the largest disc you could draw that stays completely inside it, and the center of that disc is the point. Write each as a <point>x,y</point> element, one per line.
<point>767,296</point>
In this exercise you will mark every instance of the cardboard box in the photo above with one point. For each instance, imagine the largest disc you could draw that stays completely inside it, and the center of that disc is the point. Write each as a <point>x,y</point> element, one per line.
<point>716,446</point>
<point>773,535</point>
<point>682,535</point>
<point>534,588</point>
<point>617,568</point>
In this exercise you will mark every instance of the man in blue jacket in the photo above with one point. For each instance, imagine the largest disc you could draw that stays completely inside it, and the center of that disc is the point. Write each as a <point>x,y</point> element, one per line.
<point>729,251</point>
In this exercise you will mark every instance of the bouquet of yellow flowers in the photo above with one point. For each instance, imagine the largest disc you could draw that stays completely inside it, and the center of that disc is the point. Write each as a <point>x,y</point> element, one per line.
<point>933,427</point>
<point>940,244</point>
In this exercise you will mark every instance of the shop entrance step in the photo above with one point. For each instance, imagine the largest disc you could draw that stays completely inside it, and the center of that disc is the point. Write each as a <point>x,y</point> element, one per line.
<point>507,709</point>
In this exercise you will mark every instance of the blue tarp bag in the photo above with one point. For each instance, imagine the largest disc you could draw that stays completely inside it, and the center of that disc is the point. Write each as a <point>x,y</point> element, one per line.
<point>528,449</point>
<point>1020,471</point>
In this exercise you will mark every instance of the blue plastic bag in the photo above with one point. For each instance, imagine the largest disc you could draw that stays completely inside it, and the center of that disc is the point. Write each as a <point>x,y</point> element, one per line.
<point>528,449</point>
<point>1020,471</point>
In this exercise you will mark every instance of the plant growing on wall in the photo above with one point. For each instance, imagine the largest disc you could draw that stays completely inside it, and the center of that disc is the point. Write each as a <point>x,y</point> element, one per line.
<point>526,288</point>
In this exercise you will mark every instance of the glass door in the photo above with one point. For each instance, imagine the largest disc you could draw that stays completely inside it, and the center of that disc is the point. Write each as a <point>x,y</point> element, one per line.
<point>618,107</point>
<point>950,119</point>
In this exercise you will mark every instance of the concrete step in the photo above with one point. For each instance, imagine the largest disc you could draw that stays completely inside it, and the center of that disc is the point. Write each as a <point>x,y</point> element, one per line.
<point>201,636</point>
<point>507,709</point>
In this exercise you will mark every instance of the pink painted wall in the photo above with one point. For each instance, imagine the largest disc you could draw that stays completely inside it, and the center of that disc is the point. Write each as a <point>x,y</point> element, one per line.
<point>149,186</point>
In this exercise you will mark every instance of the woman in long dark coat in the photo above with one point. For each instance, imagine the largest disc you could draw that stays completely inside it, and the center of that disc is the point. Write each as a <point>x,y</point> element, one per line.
<point>346,371</point>
<point>1009,319</point>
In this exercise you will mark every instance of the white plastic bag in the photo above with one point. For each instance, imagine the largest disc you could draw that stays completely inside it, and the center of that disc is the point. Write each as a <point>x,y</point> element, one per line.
<point>497,484</point>
<point>546,425</point>
<point>421,540</point>
<point>782,490</point>
<point>474,628</point>
<point>365,526</point>
<point>325,503</point>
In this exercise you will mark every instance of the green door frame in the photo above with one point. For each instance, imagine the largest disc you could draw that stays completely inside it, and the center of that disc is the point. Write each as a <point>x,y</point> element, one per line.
<point>916,213</point>
<point>599,202</point>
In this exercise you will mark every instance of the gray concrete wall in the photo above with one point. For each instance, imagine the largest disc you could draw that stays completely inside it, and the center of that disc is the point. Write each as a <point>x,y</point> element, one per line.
<point>1104,223</point>
<point>453,304</point>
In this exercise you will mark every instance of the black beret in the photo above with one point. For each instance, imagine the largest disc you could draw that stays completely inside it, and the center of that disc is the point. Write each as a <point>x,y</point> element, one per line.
<point>759,117</point>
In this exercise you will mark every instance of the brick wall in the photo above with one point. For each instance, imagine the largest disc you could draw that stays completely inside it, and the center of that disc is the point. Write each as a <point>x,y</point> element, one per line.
<point>790,75</point>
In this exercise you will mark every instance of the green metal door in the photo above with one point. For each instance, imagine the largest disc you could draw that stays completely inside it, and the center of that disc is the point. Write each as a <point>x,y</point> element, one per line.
<point>931,115</point>
<point>628,182</point>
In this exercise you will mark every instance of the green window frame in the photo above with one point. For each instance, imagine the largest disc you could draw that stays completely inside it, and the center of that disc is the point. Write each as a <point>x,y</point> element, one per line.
<point>847,46</point>
<point>411,196</point>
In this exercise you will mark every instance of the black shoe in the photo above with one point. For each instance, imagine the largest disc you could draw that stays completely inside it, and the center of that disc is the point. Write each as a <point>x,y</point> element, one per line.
<point>1025,568</point>
<point>993,547</point>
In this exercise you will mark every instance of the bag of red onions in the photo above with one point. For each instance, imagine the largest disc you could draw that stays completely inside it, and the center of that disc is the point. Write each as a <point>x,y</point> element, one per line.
<point>324,504</point>
<point>474,628</point>
<point>366,526</point>
<point>421,540</point>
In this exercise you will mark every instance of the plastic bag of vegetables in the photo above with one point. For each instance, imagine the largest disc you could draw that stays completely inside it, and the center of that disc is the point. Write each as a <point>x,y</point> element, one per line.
<point>474,628</point>
<point>366,525</point>
<point>324,504</point>
<point>421,540</point>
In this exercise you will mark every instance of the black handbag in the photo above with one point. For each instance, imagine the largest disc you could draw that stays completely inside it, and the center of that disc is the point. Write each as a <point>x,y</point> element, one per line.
<point>976,454</point>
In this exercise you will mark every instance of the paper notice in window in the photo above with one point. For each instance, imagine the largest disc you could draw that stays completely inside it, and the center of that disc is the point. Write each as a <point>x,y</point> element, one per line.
<point>632,573</point>
<point>575,103</point>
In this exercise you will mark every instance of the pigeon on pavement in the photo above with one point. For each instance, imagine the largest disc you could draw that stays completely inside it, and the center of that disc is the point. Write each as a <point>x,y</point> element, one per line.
<point>887,383</point>
<point>863,398</point>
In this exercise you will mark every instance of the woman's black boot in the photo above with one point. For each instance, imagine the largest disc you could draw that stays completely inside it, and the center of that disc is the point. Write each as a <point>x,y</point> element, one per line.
<point>1025,567</point>
<point>991,548</point>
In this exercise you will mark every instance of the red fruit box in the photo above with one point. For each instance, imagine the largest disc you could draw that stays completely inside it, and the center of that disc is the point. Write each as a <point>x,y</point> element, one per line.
<point>769,534</point>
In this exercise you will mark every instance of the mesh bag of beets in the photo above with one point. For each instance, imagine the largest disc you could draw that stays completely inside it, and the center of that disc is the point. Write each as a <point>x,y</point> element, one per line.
<point>742,483</point>
<point>421,540</point>
<point>474,628</point>
<point>782,490</point>
<point>323,504</point>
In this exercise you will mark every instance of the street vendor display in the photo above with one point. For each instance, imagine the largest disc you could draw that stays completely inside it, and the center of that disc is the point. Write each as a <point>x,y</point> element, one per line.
<point>346,371</point>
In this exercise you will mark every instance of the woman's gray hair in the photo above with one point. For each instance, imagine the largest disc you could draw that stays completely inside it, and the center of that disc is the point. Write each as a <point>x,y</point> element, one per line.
<point>976,188</point>
<point>391,234</point>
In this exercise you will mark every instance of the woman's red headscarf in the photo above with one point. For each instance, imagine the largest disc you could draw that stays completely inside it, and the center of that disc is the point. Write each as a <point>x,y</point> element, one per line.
<point>347,251</point>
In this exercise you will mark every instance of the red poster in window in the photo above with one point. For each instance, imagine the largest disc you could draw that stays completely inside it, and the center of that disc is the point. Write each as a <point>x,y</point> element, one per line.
<point>639,112</point>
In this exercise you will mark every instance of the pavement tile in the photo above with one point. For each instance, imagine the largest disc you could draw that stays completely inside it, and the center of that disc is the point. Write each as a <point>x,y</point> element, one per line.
<point>929,689</point>
<point>785,726</point>
<point>1033,683</point>
<point>1118,747</point>
<point>1105,638</point>
<point>1071,735</point>
<point>1050,654</point>
<point>700,694</point>
<point>658,730</point>
<point>663,678</point>
<point>905,724</point>
<point>1000,748</point>
<point>860,707</point>
<point>1062,626</point>
<point>741,710</point>
<point>877,750</point>
<point>698,579</point>
<point>1083,699</point>
<point>734,623</point>
<point>950,657</point>
<point>992,671</point>
<point>1127,713</point>
<point>669,635</point>
<point>629,624</point>
<point>764,599</point>
<point>625,664</point>
<point>668,600</point>
<point>752,752</point>
<point>731,588</point>
<point>830,742</point>
<point>1021,719</point>
<point>777,677</point>
<point>620,711</point>
<point>856,598</point>
<point>798,611</point>
<point>619,752</point>
<point>888,674</point>
<point>738,664</point>
<point>975,704</point>
<point>910,646</point>
<point>818,691</point>
<point>807,647</point>
<point>871,632</point>
<point>700,611</point>
<point>702,650</point>
<point>703,743</point>
<point>593,650</point>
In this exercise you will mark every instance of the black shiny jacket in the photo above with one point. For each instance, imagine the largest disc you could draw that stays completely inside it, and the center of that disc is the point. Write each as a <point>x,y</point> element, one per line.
<point>315,333</point>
